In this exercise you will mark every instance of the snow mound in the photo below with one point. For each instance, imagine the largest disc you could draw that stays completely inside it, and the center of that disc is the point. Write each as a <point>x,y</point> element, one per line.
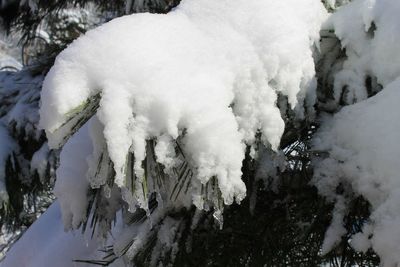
<point>209,72</point>
<point>362,140</point>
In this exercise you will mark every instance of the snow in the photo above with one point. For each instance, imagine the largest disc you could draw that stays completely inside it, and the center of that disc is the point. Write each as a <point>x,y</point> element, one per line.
<point>368,31</point>
<point>19,97</point>
<point>364,152</point>
<point>19,92</point>
<point>206,77</point>
<point>16,111</point>
<point>46,242</point>
<point>208,71</point>
<point>39,161</point>
<point>336,229</point>
<point>362,138</point>
<point>71,186</point>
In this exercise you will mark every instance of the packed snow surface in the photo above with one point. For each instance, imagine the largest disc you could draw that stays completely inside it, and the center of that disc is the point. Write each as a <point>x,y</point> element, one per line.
<point>46,243</point>
<point>209,71</point>
<point>71,186</point>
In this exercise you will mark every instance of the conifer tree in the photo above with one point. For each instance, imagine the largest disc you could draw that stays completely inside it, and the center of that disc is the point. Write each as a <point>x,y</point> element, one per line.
<point>287,214</point>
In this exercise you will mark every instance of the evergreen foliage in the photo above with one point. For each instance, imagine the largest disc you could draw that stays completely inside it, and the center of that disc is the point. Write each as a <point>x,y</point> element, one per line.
<point>282,221</point>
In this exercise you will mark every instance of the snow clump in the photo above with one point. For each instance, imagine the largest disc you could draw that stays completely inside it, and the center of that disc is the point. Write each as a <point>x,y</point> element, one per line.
<point>208,72</point>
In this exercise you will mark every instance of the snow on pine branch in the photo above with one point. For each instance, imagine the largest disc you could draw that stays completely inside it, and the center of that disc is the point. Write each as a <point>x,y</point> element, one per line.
<point>20,136</point>
<point>364,153</point>
<point>202,80</point>
<point>368,32</point>
<point>362,139</point>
